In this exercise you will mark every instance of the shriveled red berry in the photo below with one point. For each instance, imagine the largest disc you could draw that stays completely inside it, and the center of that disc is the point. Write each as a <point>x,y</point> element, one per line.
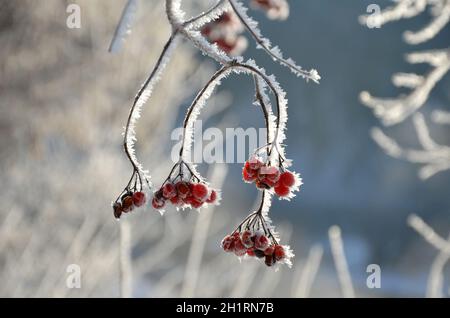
<point>246,238</point>
<point>117,208</point>
<point>212,197</point>
<point>269,260</point>
<point>287,179</point>
<point>139,199</point>
<point>183,189</point>
<point>251,251</point>
<point>199,191</point>
<point>269,250</point>
<point>169,191</point>
<point>279,252</point>
<point>228,243</point>
<point>127,204</point>
<point>261,242</point>
<point>282,190</point>
<point>158,203</point>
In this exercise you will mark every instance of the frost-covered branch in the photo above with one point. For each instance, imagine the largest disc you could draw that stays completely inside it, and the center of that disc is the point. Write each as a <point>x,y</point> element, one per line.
<point>392,111</point>
<point>435,279</point>
<point>406,9</point>
<point>264,43</point>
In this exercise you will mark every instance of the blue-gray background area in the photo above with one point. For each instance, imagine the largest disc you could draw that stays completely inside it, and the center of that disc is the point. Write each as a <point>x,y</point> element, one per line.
<point>349,181</point>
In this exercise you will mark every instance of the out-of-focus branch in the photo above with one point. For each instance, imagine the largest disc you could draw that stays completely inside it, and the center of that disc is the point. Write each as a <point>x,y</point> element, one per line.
<point>406,9</point>
<point>392,111</point>
<point>433,157</point>
<point>435,279</point>
<point>337,249</point>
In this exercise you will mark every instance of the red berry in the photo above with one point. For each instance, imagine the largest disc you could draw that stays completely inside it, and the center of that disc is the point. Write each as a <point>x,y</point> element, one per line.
<point>251,251</point>
<point>261,185</point>
<point>279,252</point>
<point>169,191</point>
<point>287,179</point>
<point>247,238</point>
<point>200,191</point>
<point>269,251</point>
<point>139,199</point>
<point>269,260</point>
<point>228,244</point>
<point>175,200</point>
<point>127,204</point>
<point>254,163</point>
<point>239,247</point>
<point>117,208</point>
<point>282,191</point>
<point>183,189</point>
<point>247,176</point>
<point>261,242</point>
<point>158,203</point>
<point>212,197</point>
<point>196,203</point>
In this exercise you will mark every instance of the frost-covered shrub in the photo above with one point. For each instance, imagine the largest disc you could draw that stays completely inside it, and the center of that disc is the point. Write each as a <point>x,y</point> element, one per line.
<point>217,34</point>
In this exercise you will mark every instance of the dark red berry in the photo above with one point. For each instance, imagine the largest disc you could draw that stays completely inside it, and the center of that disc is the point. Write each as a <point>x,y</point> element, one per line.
<point>269,260</point>
<point>183,189</point>
<point>117,208</point>
<point>259,253</point>
<point>169,191</point>
<point>139,199</point>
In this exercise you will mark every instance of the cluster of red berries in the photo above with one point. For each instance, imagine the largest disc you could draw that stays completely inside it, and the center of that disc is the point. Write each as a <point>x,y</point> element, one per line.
<point>226,33</point>
<point>275,9</point>
<point>128,202</point>
<point>267,177</point>
<point>254,245</point>
<point>184,194</point>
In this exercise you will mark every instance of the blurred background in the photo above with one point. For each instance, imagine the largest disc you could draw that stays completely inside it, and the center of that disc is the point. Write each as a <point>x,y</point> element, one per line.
<point>63,104</point>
